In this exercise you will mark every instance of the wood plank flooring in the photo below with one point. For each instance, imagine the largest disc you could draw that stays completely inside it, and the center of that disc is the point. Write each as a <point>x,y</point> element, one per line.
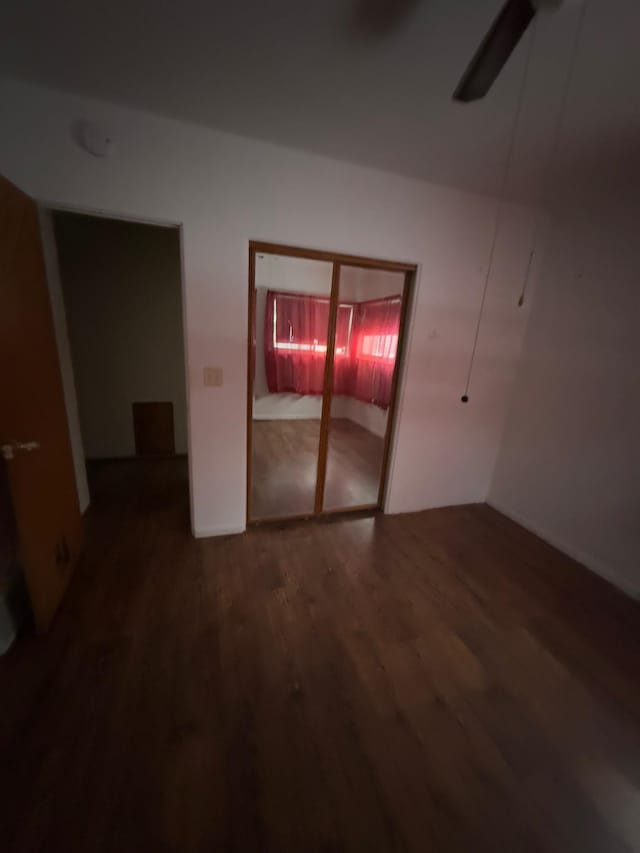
<point>354,462</point>
<point>441,681</point>
<point>285,461</point>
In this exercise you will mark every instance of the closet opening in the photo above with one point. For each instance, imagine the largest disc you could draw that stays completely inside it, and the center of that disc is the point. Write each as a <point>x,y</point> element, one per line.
<point>326,337</point>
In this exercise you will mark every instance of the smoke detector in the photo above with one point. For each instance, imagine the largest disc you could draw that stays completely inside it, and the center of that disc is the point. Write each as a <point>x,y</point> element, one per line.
<point>94,139</point>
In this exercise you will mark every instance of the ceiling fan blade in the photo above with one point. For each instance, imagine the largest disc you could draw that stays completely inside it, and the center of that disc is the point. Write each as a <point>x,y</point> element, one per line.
<point>495,49</point>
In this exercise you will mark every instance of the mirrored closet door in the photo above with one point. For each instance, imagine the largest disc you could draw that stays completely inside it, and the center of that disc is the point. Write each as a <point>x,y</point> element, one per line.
<point>292,306</point>
<point>325,334</point>
<point>364,359</point>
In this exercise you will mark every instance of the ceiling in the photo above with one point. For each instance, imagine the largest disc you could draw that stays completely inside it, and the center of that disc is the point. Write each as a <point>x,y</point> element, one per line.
<point>302,74</point>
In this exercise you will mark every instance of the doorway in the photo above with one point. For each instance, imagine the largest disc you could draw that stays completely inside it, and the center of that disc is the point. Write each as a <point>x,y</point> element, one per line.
<point>119,284</point>
<point>326,336</point>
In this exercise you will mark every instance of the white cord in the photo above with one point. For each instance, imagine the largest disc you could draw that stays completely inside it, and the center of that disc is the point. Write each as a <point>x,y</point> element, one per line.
<point>500,205</point>
<point>557,133</point>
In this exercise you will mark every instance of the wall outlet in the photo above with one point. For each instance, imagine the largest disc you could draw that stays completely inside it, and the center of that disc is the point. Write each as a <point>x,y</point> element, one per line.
<point>212,376</point>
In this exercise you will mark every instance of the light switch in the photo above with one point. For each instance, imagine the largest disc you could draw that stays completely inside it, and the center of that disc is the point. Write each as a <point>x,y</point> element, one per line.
<point>213,376</point>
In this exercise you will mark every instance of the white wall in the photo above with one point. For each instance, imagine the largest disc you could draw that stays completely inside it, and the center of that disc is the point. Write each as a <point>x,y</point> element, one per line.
<point>371,417</point>
<point>64,354</point>
<point>227,190</point>
<point>569,467</point>
<point>122,294</point>
<point>358,284</point>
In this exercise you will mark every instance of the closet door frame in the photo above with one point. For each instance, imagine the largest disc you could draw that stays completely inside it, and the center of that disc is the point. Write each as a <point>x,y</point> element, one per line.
<point>338,260</point>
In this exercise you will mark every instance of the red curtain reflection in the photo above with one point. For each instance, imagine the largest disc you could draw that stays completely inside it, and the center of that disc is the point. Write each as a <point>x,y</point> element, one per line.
<point>365,346</point>
<point>374,345</point>
<point>295,342</point>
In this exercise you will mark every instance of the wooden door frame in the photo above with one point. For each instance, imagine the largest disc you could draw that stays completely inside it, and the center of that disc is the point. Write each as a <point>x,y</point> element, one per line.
<point>401,350</point>
<point>338,260</point>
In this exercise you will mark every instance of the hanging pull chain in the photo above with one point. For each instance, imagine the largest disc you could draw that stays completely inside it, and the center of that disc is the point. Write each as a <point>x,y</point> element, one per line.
<point>551,156</point>
<point>526,276</point>
<point>557,135</point>
<point>499,208</point>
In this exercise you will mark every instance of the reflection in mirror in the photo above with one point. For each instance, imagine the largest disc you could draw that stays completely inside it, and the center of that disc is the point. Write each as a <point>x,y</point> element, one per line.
<point>292,316</point>
<point>366,343</point>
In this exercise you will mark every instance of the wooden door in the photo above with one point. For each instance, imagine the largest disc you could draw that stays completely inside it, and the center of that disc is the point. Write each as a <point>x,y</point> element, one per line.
<point>153,429</point>
<point>32,412</point>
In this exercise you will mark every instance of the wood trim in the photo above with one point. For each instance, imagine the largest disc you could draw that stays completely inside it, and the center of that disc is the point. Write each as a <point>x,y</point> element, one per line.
<point>98,460</point>
<point>326,515</point>
<point>338,261</point>
<point>275,519</point>
<point>407,295</point>
<point>343,510</point>
<point>251,350</point>
<point>332,257</point>
<point>327,395</point>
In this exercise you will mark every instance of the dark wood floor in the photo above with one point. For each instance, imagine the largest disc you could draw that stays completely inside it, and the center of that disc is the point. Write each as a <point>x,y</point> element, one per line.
<point>354,461</point>
<point>285,461</point>
<point>442,681</point>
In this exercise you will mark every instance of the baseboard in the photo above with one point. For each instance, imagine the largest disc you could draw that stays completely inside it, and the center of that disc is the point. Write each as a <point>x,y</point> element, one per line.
<point>223,530</point>
<point>280,417</point>
<point>134,457</point>
<point>587,560</point>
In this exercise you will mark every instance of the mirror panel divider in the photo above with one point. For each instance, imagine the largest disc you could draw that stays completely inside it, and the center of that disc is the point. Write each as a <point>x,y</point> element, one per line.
<point>327,395</point>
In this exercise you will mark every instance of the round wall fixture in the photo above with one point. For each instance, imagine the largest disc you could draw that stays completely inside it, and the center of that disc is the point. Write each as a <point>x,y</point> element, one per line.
<point>94,139</point>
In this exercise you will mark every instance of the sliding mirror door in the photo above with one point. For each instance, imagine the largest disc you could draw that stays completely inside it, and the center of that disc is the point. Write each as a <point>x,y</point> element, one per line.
<point>291,317</point>
<point>366,345</point>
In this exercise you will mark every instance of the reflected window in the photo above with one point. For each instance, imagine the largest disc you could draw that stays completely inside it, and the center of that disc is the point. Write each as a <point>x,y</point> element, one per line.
<point>366,343</point>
